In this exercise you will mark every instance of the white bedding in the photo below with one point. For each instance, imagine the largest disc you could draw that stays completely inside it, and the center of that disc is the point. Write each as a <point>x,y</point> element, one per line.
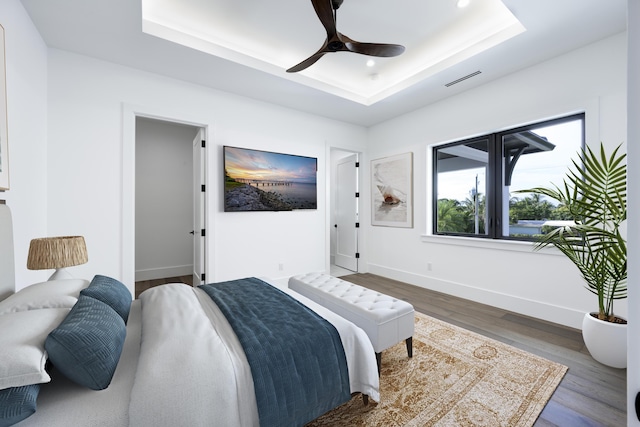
<point>195,359</point>
<point>183,365</point>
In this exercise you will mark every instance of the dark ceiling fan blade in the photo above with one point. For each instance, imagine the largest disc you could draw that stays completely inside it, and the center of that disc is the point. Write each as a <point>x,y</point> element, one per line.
<point>372,49</point>
<point>324,10</point>
<point>375,49</point>
<point>307,62</point>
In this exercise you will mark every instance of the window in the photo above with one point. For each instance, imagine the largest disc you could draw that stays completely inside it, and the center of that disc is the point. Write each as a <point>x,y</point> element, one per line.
<point>474,180</point>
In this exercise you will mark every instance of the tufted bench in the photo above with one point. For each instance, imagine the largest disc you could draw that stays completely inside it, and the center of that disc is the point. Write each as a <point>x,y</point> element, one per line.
<point>386,320</point>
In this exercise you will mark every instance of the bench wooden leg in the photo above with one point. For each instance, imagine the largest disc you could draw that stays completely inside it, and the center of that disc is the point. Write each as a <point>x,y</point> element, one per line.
<point>365,397</point>
<point>409,343</point>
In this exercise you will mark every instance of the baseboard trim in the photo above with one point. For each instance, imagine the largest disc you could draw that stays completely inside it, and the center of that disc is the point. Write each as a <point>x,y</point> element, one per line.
<point>551,313</point>
<point>163,272</point>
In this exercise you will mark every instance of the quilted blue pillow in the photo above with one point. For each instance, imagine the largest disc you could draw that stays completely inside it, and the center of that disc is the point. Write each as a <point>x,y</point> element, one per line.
<point>17,403</point>
<point>86,347</point>
<point>111,292</point>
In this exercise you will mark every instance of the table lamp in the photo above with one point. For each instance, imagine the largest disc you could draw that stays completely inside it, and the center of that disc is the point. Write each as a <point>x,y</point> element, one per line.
<point>57,252</point>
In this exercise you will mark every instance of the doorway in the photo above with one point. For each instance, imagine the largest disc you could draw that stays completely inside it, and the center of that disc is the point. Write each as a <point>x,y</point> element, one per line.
<point>166,203</point>
<point>344,213</point>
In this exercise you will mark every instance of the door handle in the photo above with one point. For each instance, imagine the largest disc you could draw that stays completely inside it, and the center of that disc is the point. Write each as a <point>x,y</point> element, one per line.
<point>192,232</point>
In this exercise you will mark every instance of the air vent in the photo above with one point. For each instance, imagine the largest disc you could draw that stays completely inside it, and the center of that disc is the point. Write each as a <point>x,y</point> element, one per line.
<point>461,79</point>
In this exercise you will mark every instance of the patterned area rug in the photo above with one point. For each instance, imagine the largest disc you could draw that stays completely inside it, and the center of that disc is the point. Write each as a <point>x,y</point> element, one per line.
<point>455,378</point>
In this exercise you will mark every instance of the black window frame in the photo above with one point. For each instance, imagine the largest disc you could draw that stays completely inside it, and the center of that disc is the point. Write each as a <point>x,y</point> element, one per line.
<point>494,177</point>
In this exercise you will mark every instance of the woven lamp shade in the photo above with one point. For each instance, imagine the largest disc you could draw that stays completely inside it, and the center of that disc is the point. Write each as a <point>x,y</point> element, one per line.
<point>56,252</point>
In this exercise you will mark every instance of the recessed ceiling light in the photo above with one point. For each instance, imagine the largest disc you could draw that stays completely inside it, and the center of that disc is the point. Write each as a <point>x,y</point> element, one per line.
<point>371,63</point>
<point>463,3</point>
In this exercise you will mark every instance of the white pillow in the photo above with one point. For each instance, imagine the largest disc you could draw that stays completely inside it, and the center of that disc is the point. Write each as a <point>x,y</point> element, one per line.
<point>52,294</point>
<point>22,352</point>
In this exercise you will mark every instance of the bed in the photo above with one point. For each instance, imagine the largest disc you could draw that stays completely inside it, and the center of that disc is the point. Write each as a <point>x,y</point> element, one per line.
<point>181,362</point>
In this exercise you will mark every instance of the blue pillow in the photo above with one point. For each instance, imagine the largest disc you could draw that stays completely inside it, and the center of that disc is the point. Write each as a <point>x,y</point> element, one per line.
<point>111,292</point>
<point>86,347</point>
<point>17,403</point>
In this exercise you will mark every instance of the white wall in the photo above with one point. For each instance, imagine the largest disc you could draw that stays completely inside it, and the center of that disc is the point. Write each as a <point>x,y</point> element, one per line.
<point>164,199</point>
<point>507,275</point>
<point>26,66</point>
<point>87,196</point>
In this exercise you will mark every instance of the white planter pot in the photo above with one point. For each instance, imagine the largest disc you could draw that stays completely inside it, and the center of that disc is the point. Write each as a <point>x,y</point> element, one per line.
<point>606,341</point>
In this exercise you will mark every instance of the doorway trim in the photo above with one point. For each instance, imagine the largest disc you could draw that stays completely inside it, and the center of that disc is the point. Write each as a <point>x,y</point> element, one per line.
<point>129,114</point>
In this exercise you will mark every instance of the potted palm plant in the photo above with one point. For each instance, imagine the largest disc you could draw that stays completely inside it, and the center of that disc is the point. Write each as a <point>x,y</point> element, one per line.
<point>595,194</point>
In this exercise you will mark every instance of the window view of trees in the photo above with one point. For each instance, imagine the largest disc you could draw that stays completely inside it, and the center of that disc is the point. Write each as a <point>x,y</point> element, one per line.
<point>534,207</point>
<point>459,217</point>
<point>474,180</point>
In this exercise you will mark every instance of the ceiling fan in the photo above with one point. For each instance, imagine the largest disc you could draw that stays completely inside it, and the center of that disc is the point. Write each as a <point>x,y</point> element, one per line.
<point>338,42</point>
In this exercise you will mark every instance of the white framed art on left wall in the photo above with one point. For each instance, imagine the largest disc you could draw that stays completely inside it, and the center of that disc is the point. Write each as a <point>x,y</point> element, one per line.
<point>4,133</point>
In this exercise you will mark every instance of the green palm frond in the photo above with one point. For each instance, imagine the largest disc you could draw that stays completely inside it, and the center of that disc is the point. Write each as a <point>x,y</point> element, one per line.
<point>595,192</point>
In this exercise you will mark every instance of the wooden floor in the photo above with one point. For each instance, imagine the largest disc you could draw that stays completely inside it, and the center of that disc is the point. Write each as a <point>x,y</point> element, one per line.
<point>143,285</point>
<point>590,394</point>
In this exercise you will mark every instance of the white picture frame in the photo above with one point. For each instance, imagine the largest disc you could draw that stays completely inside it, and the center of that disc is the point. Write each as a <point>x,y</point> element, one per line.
<point>392,191</point>
<point>4,133</point>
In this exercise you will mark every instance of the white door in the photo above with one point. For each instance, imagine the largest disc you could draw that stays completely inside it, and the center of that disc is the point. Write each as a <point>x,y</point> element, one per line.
<point>199,233</point>
<point>346,213</point>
